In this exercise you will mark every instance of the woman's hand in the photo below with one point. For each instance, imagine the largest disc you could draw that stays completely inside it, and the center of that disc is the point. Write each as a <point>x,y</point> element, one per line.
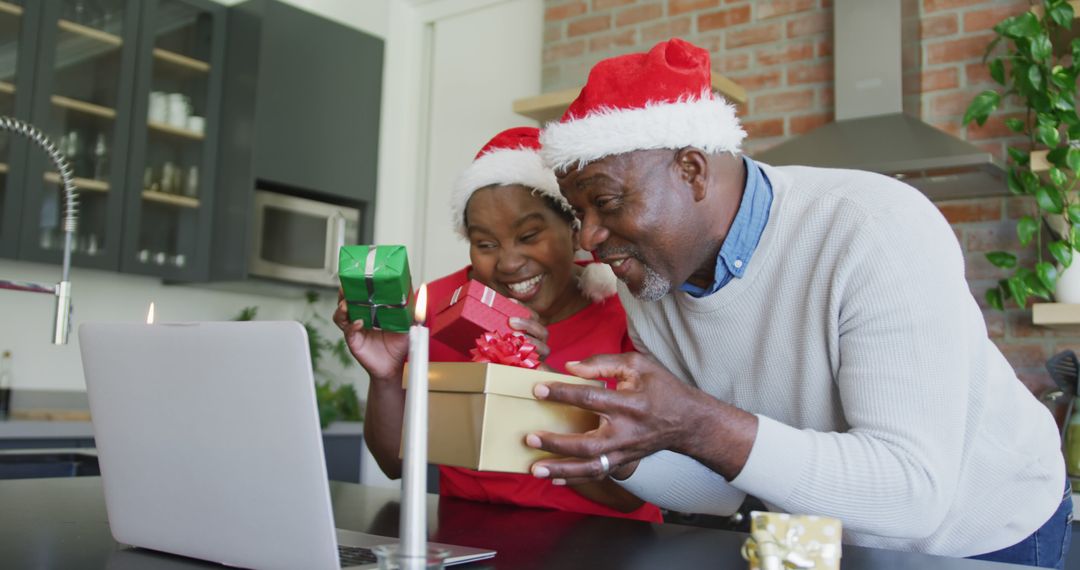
<point>381,353</point>
<point>533,331</point>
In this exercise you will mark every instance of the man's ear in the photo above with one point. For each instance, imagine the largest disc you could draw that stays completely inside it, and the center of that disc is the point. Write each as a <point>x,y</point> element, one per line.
<point>693,168</point>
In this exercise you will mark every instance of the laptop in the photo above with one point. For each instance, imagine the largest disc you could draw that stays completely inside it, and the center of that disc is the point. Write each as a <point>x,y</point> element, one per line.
<point>209,445</point>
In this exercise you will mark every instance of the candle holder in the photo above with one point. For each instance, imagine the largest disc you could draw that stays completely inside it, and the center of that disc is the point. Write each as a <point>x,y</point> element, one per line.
<point>391,557</point>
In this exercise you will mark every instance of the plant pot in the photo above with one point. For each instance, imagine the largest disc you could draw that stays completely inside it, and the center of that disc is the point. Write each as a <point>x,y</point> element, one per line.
<point>1068,282</point>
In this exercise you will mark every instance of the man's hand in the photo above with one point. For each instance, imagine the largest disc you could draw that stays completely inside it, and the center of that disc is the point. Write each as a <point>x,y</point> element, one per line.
<point>381,353</point>
<point>649,410</point>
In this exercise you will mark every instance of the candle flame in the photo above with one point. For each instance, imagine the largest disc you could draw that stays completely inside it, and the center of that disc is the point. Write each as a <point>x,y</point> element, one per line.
<point>150,314</point>
<point>421,304</point>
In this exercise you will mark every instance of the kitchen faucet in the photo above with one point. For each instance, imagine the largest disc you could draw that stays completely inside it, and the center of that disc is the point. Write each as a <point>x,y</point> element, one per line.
<point>62,290</point>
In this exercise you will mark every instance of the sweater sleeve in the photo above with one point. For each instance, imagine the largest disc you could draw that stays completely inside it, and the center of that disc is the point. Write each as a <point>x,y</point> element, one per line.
<point>904,324</point>
<point>679,483</point>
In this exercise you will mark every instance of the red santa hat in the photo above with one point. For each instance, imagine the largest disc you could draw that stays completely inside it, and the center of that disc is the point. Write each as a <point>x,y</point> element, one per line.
<point>512,157</point>
<point>641,101</point>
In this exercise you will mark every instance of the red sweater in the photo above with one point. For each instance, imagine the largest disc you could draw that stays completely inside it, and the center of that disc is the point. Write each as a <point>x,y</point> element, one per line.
<point>599,328</point>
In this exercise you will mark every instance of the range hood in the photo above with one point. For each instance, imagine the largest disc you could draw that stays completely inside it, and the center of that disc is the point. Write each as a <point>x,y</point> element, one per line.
<point>872,131</point>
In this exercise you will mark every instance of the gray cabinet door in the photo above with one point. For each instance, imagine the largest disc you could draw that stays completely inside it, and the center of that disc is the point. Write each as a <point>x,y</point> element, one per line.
<point>19,22</point>
<point>173,160</point>
<point>85,65</point>
<point>319,93</point>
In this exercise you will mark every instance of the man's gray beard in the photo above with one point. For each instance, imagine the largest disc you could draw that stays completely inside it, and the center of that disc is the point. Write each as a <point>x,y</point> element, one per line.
<point>653,286</point>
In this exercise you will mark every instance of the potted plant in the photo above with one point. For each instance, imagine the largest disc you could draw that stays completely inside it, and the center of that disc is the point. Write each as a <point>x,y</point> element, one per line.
<point>1038,71</point>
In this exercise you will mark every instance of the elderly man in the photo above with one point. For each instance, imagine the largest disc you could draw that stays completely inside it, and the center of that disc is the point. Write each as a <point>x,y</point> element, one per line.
<point>807,335</point>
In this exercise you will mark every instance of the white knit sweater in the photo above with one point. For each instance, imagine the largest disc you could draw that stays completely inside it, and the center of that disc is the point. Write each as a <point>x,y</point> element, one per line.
<point>854,338</point>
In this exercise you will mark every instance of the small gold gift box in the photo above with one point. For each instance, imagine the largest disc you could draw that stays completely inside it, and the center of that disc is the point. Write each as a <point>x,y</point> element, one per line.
<point>479,415</point>
<point>779,541</point>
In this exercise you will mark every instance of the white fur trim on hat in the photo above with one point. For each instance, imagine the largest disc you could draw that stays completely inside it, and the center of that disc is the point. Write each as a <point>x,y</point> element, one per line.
<point>521,166</point>
<point>707,122</point>
<point>597,281</point>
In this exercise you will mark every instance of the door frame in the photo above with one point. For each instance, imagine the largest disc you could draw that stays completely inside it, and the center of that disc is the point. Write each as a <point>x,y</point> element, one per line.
<point>404,134</point>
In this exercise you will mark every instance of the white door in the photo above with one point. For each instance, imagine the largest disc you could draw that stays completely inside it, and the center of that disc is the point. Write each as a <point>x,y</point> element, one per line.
<point>480,62</point>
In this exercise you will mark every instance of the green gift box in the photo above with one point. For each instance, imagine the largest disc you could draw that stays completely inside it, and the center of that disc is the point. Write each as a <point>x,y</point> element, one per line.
<point>377,285</point>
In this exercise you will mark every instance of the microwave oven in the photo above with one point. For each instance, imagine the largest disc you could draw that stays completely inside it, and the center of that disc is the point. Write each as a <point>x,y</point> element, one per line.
<point>297,239</point>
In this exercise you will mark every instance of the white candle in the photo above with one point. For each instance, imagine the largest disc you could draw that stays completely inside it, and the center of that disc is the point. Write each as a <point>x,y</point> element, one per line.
<point>150,314</point>
<point>414,459</point>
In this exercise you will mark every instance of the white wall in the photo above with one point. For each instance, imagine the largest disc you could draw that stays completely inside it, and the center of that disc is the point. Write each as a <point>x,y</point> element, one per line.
<point>472,90</point>
<point>26,318</point>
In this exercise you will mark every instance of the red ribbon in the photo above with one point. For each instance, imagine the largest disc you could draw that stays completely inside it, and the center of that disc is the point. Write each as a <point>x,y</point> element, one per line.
<point>508,349</point>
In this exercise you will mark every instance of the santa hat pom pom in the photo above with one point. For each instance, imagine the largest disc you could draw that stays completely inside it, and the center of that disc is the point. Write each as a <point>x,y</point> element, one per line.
<point>597,282</point>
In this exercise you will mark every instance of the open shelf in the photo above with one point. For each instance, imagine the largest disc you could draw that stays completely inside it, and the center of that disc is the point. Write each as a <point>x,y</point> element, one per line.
<point>170,199</point>
<point>80,183</point>
<point>9,8</point>
<point>88,32</point>
<point>1061,316</point>
<point>183,61</point>
<point>551,106</point>
<point>83,107</point>
<point>171,130</point>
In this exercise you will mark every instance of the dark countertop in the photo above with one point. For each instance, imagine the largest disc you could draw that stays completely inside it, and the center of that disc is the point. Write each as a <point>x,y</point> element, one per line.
<point>34,429</point>
<point>61,523</point>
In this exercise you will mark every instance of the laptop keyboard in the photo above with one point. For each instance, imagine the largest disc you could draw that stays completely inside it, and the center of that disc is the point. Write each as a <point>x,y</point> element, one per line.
<point>355,555</point>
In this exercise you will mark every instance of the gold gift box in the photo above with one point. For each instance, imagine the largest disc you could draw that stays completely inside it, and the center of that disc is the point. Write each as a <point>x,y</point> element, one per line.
<point>479,415</point>
<point>780,541</point>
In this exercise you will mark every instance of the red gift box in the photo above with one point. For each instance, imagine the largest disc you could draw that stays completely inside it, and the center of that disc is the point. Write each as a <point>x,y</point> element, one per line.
<point>471,311</point>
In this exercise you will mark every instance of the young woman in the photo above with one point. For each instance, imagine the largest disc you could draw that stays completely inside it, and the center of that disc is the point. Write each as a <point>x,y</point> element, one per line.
<point>522,238</point>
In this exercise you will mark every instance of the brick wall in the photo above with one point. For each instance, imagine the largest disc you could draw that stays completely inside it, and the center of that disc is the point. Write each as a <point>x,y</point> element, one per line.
<point>781,52</point>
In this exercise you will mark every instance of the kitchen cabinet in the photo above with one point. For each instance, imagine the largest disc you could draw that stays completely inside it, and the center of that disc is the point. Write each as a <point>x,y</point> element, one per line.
<point>171,167</point>
<point>301,101</point>
<point>18,26</point>
<point>84,72</point>
<point>81,90</point>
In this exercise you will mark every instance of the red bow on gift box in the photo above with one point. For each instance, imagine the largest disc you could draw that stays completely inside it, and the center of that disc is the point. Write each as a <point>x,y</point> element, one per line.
<point>508,349</point>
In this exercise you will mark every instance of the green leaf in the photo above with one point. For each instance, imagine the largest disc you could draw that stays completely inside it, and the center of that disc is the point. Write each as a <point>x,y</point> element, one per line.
<point>1002,259</point>
<point>1041,48</point>
<point>1074,236</point>
<point>1061,13</point>
<point>1075,45</point>
<point>1049,199</point>
<point>1026,227</point>
<point>1073,213</point>
<point>981,107</point>
<point>246,314</point>
<point>1047,274</point>
<point>1015,125</point>
<point>1018,289</point>
<point>993,298</point>
<point>1058,156</point>
<point>1035,288</point>
<point>1072,160</point>
<point>1062,102</point>
<point>1074,129</point>
<point>1057,176</point>
<point>1061,252</point>
<point>997,70</point>
<point>1012,181</point>
<point>1035,78</point>
<point>1031,181</point>
<point>1047,134</point>
<point>1022,26</point>
<point>1019,156</point>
